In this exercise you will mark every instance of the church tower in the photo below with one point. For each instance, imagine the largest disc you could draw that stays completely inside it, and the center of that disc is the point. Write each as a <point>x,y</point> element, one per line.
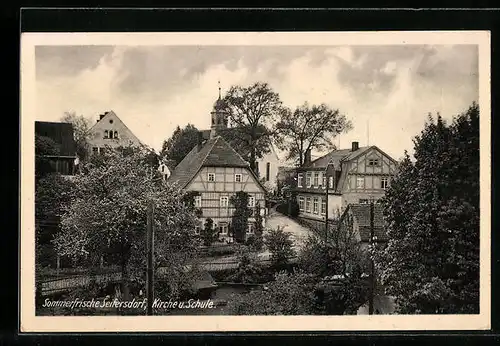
<point>219,116</point>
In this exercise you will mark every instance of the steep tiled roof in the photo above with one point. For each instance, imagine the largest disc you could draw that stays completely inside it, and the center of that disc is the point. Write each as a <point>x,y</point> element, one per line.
<point>61,133</point>
<point>215,152</point>
<point>361,214</point>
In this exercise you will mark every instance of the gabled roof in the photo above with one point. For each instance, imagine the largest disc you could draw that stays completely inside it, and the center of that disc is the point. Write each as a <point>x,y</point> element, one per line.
<point>361,214</point>
<point>215,152</point>
<point>336,156</point>
<point>110,114</point>
<point>60,133</point>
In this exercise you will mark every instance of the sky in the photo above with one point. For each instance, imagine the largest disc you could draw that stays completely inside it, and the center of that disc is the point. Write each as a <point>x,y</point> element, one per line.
<point>386,91</point>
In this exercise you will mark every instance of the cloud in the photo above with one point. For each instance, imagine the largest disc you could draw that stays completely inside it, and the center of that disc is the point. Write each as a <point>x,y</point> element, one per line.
<point>154,89</point>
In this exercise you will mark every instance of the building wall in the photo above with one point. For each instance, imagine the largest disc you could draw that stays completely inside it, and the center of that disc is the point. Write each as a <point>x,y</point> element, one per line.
<point>334,204</point>
<point>225,186</point>
<point>111,122</point>
<point>274,162</point>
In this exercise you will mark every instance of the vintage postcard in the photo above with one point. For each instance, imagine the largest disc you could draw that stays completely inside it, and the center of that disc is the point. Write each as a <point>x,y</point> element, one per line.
<point>293,181</point>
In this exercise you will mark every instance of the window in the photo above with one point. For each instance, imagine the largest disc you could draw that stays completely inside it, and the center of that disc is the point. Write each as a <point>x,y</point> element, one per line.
<point>360,182</point>
<point>223,229</point>
<point>251,201</point>
<point>308,179</point>
<point>257,169</point>
<point>315,206</point>
<point>268,171</point>
<point>237,178</point>
<point>363,201</point>
<point>373,162</point>
<point>316,179</point>
<point>111,134</point>
<point>95,150</point>
<point>211,176</point>
<point>106,134</point>
<point>330,182</point>
<point>301,203</point>
<point>300,176</point>
<point>110,121</point>
<point>324,181</point>
<point>323,207</point>
<point>308,205</point>
<point>384,183</point>
<point>197,201</point>
<point>116,135</point>
<point>224,201</point>
<point>250,228</point>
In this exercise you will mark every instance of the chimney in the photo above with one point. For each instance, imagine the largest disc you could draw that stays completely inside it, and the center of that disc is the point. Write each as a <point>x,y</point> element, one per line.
<point>200,140</point>
<point>355,146</point>
<point>102,116</point>
<point>307,156</point>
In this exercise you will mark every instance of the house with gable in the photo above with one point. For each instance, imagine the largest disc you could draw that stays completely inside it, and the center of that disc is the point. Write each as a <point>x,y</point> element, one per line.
<point>361,174</point>
<point>111,131</point>
<point>217,172</point>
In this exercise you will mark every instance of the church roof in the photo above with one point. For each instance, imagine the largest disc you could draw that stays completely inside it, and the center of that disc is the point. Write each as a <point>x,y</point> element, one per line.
<point>215,152</point>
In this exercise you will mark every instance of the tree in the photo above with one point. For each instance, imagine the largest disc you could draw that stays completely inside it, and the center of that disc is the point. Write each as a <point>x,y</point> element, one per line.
<point>108,215</point>
<point>44,146</point>
<point>280,245</point>
<point>180,143</point>
<point>431,263</point>
<point>53,194</point>
<point>208,234</point>
<point>309,127</point>
<point>256,241</point>
<point>341,266</point>
<point>288,294</point>
<point>253,110</point>
<point>81,132</point>
<point>249,270</point>
<point>239,221</point>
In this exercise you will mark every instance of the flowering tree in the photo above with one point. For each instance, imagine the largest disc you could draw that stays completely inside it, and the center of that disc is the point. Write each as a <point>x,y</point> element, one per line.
<point>108,215</point>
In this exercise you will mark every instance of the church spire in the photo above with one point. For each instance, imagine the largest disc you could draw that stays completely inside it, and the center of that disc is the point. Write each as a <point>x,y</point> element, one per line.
<point>218,82</point>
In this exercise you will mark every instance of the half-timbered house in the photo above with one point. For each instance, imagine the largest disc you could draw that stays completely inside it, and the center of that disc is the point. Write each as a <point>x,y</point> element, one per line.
<point>361,174</point>
<point>217,172</point>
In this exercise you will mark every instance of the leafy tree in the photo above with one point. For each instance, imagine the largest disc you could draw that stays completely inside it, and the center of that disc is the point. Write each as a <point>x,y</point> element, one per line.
<point>280,245</point>
<point>44,146</point>
<point>108,215</point>
<point>249,269</point>
<point>288,294</point>
<point>431,263</point>
<point>253,111</point>
<point>309,127</point>
<point>340,263</point>
<point>53,194</point>
<point>239,221</point>
<point>81,132</point>
<point>180,143</point>
<point>256,241</point>
<point>208,234</point>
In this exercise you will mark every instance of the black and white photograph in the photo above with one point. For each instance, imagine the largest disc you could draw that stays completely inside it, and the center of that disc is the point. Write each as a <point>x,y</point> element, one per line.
<point>286,176</point>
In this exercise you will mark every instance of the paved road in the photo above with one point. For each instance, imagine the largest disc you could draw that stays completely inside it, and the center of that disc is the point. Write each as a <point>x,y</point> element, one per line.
<point>299,232</point>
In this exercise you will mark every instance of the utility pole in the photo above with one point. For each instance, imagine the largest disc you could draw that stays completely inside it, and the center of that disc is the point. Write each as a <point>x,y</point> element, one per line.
<point>150,261</point>
<point>372,265</point>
